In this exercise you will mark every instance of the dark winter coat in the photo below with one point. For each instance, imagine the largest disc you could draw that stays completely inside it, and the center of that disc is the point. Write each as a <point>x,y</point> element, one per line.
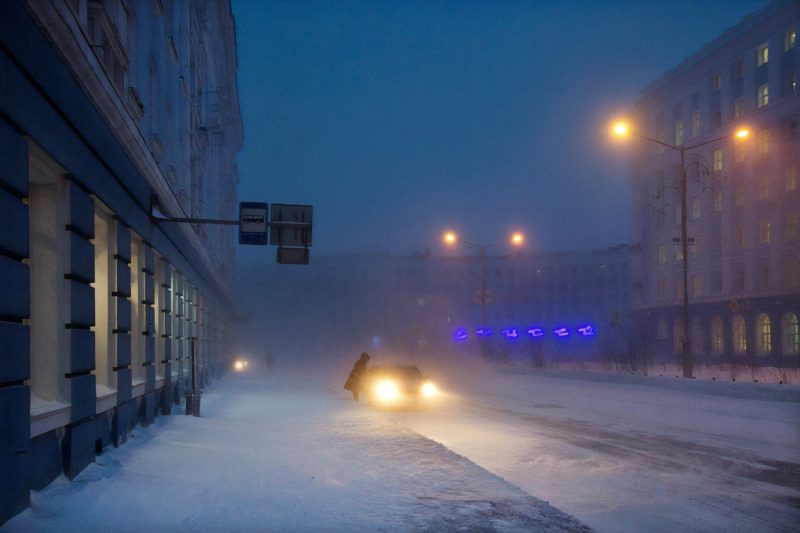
<point>353,382</point>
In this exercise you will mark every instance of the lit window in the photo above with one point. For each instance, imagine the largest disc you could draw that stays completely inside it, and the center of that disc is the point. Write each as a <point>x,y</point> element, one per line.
<point>697,286</point>
<point>717,160</point>
<point>791,334</point>
<point>762,55</point>
<point>717,201</point>
<point>738,195</point>
<point>104,308</point>
<point>792,225</point>
<point>679,132</point>
<point>763,187</point>
<point>716,82</point>
<point>717,335</point>
<point>739,237</point>
<point>662,254</point>
<point>790,40</point>
<point>739,335</point>
<point>791,177</point>
<point>763,95</point>
<point>764,232</point>
<point>764,334</point>
<point>695,123</point>
<point>738,108</point>
<point>763,142</point>
<point>695,208</point>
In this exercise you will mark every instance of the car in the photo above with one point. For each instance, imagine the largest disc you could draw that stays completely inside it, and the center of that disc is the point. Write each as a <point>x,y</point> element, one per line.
<point>397,386</point>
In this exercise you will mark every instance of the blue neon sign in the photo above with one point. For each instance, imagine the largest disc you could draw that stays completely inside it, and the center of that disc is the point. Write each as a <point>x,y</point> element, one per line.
<point>561,332</point>
<point>511,333</point>
<point>460,334</point>
<point>483,332</point>
<point>587,330</point>
<point>535,332</point>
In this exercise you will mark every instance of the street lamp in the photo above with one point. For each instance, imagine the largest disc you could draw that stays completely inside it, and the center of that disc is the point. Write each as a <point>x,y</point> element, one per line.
<point>450,238</point>
<point>623,129</point>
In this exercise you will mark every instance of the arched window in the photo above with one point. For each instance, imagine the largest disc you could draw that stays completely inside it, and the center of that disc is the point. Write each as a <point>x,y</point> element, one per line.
<point>739,332</point>
<point>661,329</point>
<point>677,336</point>
<point>697,337</point>
<point>763,334</point>
<point>791,334</point>
<point>717,336</point>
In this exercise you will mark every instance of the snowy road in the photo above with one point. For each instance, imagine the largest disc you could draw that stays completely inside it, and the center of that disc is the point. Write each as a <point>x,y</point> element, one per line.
<point>623,453</point>
<point>279,454</point>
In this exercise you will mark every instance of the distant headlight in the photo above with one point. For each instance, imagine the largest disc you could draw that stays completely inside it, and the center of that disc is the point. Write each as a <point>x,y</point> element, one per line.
<point>239,365</point>
<point>429,390</point>
<point>386,390</point>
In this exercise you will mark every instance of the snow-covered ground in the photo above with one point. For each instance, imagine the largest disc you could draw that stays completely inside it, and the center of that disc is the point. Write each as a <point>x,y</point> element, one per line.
<point>284,454</point>
<point>625,453</point>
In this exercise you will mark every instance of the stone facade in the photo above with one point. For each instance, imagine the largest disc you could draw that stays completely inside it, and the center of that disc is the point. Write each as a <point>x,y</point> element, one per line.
<point>107,108</point>
<point>743,199</point>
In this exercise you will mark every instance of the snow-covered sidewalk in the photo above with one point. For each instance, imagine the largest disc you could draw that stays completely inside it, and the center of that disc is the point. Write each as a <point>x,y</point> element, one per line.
<point>268,455</point>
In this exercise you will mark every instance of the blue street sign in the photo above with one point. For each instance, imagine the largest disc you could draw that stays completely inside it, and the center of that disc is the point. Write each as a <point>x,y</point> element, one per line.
<point>253,223</point>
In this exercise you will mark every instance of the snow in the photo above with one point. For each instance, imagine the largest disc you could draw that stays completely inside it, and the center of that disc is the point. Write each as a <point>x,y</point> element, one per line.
<point>627,453</point>
<point>284,454</point>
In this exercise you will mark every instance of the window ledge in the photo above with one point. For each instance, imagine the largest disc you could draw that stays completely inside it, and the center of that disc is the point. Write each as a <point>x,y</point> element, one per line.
<point>46,416</point>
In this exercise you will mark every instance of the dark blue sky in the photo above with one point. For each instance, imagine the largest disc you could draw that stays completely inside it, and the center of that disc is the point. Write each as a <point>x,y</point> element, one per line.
<point>398,119</point>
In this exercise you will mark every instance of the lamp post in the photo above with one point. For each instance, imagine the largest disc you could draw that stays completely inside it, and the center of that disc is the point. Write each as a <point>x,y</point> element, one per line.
<point>450,238</point>
<point>622,129</point>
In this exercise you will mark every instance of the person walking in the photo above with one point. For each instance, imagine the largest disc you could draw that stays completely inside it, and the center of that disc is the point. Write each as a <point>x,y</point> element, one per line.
<point>353,383</point>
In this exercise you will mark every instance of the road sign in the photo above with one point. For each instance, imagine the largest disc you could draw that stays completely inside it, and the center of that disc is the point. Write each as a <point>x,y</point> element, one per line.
<point>253,223</point>
<point>293,256</point>
<point>290,225</point>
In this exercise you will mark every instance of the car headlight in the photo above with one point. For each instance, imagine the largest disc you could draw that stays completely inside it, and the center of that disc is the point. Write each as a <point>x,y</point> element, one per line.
<point>386,390</point>
<point>429,390</point>
<point>239,365</point>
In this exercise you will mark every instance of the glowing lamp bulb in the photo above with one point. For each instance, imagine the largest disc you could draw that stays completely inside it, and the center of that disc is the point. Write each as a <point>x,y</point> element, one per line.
<point>742,133</point>
<point>517,238</point>
<point>450,238</point>
<point>620,129</point>
<point>429,390</point>
<point>238,366</point>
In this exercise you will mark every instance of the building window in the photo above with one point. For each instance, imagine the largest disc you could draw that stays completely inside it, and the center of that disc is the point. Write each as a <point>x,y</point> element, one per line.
<point>661,329</point>
<point>738,69</point>
<point>739,237</point>
<point>739,331</point>
<point>763,95</point>
<point>792,225</point>
<point>763,187</point>
<point>695,208</point>
<point>139,328</point>
<point>718,160</point>
<point>697,286</point>
<point>679,288</point>
<point>738,194</point>
<point>790,40</point>
<point>738,108</point>
<point>762,55</point>
<point>662,290</point>
<point>764,232</point>
<point>694,246</point>
<point>49,342</point>
<point>716,82</point>
<point>717,201</point>
<point>718,118</point>
<point>740,279</point>
<point>791,334</point>
<point>662,254</point>
<point>791,177</point>
<point>792,272</point>
<point>105,311</point>
<point>162,297</point>
<point>739,153</point>
<point>764,276</point>
<point>764,141</point>
<point>695,123</point>
<point>679,132</point>
<point>764,334</point>
<point>717,336</point>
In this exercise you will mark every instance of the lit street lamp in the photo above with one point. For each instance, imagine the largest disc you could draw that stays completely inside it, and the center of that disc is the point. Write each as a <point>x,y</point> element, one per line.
<point>450,238</point>
<point>623,130</point>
